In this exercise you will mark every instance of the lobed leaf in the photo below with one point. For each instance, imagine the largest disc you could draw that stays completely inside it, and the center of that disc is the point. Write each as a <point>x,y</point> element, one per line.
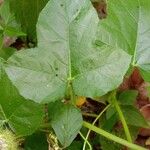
<point>23,116</point>
<point>67,51</point>
<point>128,27</point>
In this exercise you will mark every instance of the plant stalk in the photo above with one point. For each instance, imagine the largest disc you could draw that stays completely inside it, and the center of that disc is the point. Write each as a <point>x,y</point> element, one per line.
<point>72,95</point>
<point>90,147</point>
<point>112,137</point>
<point>96,119</point>
<point>121,116</point>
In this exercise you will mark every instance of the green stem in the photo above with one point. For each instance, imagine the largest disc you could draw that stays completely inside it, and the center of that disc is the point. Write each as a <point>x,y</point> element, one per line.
<point>90,147</point>
<point>121,116</point>
<point>72,95</point>
<point>70,92</point>
<point>112,137</point>
<point>84,146</point>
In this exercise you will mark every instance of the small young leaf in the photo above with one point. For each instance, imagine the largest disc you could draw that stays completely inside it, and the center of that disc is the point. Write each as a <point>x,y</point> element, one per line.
<point>109,123</point>
<point>66,121</point>
<point>128,97</point>
<point>12,31</point>
<point>133,116</point>
<point>7,52</point>
<point>110,112</point>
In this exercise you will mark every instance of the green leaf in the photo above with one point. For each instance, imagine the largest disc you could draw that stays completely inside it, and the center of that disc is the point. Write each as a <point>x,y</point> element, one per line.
<point>110,112</point>
<point>133,116</point>
<point>23,116</point>
<point>37,141</point>
<point>134,131</point>
<point>148,90</point>
<point>8,22</point>
<point>67,52</point>
<point>128,97</point>
<point>128,27</point>
<point>110,122</point>
<point>109,145</point>
<point>108,125</point>
<point>118,131</point>
<point>27,12</point>
<point>12,31</point>
<point>5,13</point>
<point>1,29</point>
<point>7,52</point>
<point>75,145</point>
<point>66,120</point>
